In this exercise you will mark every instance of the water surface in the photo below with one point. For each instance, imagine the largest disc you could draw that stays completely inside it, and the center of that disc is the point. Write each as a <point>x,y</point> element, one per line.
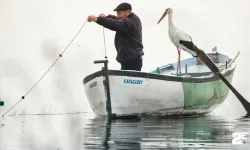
<point>85,131</point>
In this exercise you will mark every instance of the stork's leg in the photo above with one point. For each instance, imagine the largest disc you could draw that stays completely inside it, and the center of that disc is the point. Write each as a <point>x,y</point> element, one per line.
<point>180,60</point>
<point>177,70</point>
<point>179,57</point>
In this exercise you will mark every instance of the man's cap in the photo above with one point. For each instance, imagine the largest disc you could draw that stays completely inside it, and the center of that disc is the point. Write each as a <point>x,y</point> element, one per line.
<point>123,6</point>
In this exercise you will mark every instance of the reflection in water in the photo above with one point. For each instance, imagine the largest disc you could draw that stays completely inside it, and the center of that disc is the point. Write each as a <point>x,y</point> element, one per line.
<point>81,131</point>
<point>41,132</point>
<point>200,132</point>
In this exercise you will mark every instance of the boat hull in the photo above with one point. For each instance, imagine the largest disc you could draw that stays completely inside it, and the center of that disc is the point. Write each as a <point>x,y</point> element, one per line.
<point>138,93</point>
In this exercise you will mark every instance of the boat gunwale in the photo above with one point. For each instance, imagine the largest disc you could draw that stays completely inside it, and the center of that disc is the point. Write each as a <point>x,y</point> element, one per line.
<point>130,73</point>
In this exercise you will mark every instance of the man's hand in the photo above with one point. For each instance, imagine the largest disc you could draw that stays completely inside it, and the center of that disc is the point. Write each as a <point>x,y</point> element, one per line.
<point>92,18</point>
<point>102,15</point>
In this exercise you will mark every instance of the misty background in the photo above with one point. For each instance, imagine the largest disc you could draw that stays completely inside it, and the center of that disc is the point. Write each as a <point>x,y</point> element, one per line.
<point>34,33</point>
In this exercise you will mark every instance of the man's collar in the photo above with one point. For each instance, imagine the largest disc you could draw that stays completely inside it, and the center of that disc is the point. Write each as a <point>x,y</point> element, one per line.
<point>131,14</point>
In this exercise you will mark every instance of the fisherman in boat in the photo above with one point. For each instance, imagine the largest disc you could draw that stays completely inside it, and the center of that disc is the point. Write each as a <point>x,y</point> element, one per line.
<point>128,38</point>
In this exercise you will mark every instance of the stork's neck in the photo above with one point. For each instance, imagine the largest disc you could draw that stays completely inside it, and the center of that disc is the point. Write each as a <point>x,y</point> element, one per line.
<point>170,22</point>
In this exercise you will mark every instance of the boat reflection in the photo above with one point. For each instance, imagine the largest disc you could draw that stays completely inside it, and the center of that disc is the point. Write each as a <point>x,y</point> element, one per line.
<point>202,132</point>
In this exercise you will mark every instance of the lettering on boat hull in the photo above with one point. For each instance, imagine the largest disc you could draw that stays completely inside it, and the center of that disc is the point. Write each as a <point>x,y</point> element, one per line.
<point>93,84</point>
<point>130,81</point>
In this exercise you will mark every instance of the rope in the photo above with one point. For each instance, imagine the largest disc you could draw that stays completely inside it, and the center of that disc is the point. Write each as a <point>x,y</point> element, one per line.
<point>60,55</point>
<point>55,114</point>
<point>104,43</point>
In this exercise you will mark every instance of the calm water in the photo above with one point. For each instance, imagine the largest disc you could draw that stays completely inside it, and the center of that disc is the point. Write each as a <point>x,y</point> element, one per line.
<point>84,131</point>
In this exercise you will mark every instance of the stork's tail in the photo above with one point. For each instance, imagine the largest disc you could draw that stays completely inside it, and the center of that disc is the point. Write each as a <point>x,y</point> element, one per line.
<point>196,52</point>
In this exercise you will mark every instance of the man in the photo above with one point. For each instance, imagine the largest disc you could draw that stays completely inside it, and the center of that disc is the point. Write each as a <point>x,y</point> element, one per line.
<point>128,38</point>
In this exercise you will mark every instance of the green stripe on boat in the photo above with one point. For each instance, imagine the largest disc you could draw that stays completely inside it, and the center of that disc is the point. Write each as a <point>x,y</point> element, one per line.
<point>204,95</point>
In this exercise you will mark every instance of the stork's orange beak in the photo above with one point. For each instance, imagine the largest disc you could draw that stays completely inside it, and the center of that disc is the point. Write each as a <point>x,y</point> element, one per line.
<point>163,15</point>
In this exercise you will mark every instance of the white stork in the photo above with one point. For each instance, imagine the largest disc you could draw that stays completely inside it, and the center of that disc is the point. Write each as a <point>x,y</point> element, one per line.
<point>179,38</point>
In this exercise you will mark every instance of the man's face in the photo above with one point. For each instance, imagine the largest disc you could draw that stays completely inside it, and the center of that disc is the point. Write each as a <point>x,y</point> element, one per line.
<point>122,14</point>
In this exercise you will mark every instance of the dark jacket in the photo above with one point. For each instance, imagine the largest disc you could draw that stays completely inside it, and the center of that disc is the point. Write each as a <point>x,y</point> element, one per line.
<point>128,38</point>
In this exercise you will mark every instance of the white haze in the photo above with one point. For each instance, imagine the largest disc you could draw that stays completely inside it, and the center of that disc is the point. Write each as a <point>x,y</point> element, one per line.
<point>34,33</point>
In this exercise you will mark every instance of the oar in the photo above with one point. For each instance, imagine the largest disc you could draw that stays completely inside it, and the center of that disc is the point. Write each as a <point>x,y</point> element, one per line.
<point>207,61</point>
